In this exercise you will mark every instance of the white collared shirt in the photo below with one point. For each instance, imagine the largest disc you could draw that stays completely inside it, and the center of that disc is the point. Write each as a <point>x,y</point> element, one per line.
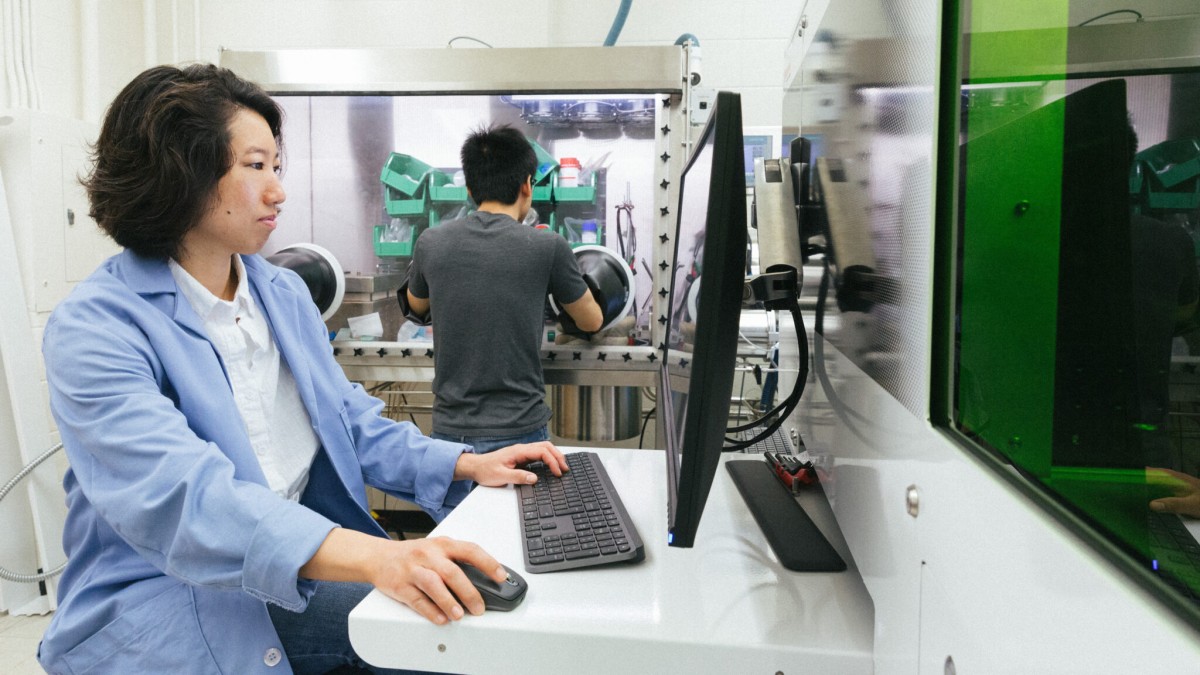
<point>263,387</point>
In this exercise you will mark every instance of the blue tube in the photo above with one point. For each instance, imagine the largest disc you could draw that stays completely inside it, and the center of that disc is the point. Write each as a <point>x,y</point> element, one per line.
<point>618,23</point>
<point>687,37</point>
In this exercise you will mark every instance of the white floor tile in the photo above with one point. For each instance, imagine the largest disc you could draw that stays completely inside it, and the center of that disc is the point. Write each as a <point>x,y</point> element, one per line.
<point>26,627</point>
<point>19,655</point>
<point>19,637</point>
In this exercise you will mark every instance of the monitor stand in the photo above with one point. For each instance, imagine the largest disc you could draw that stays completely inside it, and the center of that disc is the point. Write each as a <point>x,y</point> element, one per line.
<point>793,536</point>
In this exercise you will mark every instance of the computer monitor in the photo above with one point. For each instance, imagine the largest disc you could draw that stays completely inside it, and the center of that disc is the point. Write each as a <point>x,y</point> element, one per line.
<point>700,350</point>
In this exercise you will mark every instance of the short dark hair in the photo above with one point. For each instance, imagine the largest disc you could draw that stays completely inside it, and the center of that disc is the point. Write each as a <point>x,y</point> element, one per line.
<point>496,161</point>
<point>163,147</point>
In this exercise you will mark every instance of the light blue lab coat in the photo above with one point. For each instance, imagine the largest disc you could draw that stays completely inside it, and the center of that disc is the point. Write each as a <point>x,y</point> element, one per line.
<point>174,540</point>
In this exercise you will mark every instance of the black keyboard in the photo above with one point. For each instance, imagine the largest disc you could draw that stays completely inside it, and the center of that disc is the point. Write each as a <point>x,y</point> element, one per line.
<point>777,442</point>
<point>1176,553</point>
<point>576,520</point>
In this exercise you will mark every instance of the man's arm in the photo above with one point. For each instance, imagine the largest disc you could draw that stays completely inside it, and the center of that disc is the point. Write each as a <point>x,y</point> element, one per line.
<point>586,313</point>
<point>419,306</point>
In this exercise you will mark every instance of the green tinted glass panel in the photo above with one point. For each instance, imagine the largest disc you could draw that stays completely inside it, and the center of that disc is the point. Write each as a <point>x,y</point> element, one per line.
<point>1076,341</point>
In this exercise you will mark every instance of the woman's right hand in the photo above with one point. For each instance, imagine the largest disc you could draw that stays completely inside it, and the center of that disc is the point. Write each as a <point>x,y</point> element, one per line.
<point>421,573</point>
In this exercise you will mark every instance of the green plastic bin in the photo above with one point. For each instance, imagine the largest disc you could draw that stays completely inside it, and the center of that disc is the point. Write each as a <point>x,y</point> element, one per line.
<point>398,205</point>
<point>404,173</point>
<point>404,178</point>
<point>582,193</point>
<point>546,166</point>
<point>394,248</point>
<point>442,189</point>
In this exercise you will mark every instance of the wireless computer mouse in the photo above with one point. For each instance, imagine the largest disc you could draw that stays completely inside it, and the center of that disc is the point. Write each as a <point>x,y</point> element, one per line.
<point>503,596</point>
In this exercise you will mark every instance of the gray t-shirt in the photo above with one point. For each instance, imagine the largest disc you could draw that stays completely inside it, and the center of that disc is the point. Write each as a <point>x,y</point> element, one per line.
<point>486,277</point>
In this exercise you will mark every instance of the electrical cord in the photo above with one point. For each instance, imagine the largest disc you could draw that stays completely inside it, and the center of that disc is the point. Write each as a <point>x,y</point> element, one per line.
<point>839,408</point>
<point>1115,11</point>
<point>450,43</point>
<point>751,343</point>
<point>404,400</point>
<point>12,483</point>
<point>645,422</point>
<point>784,409</point>
<point>627,209</point>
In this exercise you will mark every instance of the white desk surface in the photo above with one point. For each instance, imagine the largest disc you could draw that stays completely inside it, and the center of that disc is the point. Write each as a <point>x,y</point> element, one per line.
<point>725,606</point>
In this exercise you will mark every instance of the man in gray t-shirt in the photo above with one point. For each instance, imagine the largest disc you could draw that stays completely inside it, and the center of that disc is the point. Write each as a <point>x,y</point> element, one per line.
<point>484,279</point>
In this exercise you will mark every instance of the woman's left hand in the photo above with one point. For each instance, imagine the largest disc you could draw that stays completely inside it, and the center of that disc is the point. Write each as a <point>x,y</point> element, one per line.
<point>501,467</point>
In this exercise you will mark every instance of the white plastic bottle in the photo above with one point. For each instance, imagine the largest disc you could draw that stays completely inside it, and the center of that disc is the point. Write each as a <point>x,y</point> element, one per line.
<point>590,235</point>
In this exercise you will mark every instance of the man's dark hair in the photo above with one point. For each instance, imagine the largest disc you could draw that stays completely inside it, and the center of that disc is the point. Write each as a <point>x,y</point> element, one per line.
<point>496,161</point>
<point>163,147</point>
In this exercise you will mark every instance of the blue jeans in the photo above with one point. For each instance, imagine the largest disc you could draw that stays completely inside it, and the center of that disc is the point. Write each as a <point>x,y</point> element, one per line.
<point>317,640</point>
<point>484,444</point>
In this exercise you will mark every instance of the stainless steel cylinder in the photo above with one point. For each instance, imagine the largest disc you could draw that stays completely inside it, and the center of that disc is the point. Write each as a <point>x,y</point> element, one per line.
<point>595,413</point>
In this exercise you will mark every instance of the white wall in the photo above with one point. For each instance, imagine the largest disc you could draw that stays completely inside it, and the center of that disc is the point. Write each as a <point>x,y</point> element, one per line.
<point>84,51</point>
<point>742,42</point>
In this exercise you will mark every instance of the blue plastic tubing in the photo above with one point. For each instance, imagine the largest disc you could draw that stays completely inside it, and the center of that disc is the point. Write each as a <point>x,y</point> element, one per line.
<point>618,23</point>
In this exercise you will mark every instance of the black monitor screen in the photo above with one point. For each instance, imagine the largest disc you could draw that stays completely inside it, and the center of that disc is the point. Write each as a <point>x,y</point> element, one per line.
<point>706,290</point>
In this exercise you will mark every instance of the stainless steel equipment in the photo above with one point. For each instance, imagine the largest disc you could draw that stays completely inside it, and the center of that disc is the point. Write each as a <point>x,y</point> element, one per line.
<point>622,111</point>
<point>596,413</point>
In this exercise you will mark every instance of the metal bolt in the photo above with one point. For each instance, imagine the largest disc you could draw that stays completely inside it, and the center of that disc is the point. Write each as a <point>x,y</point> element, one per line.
<point>912,500</point>
<point>70,217</point>
<point>441,648</point>
<point>1021,208</point>
<point>949,669</point>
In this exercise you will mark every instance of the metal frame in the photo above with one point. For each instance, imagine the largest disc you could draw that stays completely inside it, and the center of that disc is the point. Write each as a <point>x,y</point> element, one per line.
<point>1101,49</point>
<point>660,70</point>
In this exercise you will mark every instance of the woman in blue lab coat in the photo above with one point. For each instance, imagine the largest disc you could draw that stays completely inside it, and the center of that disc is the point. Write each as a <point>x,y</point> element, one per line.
<point>217,509</point>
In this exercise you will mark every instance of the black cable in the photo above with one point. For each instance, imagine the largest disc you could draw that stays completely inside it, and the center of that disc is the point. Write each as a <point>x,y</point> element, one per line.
<point>1115,11</point>
<point>404,399</point>
<point>620,236</point>
<point>645,422</point>
<point>802,377</point>
<point>785,408</point>
<point>735,444</point>
<point>767,415</point>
